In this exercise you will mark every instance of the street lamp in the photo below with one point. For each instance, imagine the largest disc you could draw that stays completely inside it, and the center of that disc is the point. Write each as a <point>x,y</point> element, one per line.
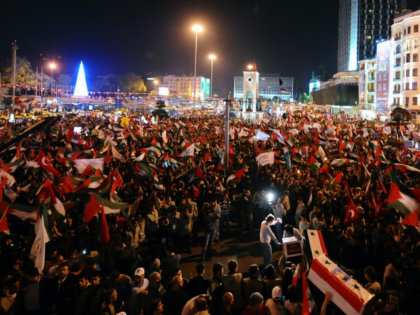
<point>250,67</point>
<point>212,57</point>
<point>52,66</point>
<point>197,29</point>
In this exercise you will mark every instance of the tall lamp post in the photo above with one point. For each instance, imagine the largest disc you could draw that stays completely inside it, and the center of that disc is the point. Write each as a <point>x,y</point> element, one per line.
<point>212,57</point>
<point>52,66</point>
<point>197,29</point>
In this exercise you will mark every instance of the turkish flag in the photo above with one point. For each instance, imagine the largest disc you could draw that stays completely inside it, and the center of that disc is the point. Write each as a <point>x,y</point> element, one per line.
<point>46,165</point>
<point>89,145</point>
<point>352,215</point>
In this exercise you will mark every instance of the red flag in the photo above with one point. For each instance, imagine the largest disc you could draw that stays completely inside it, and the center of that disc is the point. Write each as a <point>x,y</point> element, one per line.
<point>104,234</point>
<point>381,186</point>
<point>69,134</point>
<point>256,149</point>
<point>4,225</point>
<point>46,165</point>
<point>207,158</point>
<point>91,209</point>
<point>88,145</point>
<point>196,192</point>
<point>379,206</point>
<point>18,150</point>
<point>4,167</point>
<point>116,181</point>
<point>87,171</point>
<point>274,136</point>
<point>352,215</point>
<point>154,141</point>
<point>324,169</point>
<point>220,167</point>
<point>412,219</point>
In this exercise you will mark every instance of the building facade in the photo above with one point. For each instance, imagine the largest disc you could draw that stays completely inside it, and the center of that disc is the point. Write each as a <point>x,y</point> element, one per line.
<point>391,78</point>
<point>184,86</point>
<point>363,23</point>
<point>268,86</point>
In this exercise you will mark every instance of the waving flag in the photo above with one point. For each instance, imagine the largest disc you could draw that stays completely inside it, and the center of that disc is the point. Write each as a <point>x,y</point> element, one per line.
<point>238,175</point>
<point>313,164</point>
<point>337,180</point>
<point>402,199</point>
<point>347,293</point>
<point>352,215</point>
<point>46,165</point>
<point>42,236</point>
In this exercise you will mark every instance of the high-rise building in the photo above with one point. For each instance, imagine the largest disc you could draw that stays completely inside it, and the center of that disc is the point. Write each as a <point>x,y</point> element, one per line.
<point>362,23</point>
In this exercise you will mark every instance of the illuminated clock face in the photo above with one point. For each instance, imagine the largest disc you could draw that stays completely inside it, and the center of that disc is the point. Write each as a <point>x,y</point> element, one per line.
<point>249,79</point>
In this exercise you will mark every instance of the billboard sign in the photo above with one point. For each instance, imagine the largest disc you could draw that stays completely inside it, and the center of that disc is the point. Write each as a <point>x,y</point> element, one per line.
<point>163,91</point>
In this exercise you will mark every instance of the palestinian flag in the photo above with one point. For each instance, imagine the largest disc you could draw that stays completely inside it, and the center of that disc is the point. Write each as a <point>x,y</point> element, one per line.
<point>155,149</point>
<point>23,212</point>
<point>96,202</point>
<point>92,182</point>
<point>43,235</point>
<point>313,164</point>
<point>143,170</point>
<point>341,162</point>
<point>337,180</point>
<point>104,231</point>
<point>402,199</point>
<point>198,174</point>
<point>238,175</point>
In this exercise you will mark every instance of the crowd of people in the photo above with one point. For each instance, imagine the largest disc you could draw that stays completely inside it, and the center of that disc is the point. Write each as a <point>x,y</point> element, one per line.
<point>122,199</point>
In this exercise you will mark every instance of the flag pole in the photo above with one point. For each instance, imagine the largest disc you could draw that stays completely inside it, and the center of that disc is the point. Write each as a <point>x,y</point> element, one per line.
<point>227,101</point>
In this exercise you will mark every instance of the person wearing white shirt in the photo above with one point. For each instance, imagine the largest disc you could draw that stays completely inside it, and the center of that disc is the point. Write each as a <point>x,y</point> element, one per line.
<point>266,236</point>
<point>290,231</point>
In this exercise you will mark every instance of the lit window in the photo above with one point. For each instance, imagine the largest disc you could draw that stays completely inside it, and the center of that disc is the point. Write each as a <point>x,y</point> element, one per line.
<point>369,37</point>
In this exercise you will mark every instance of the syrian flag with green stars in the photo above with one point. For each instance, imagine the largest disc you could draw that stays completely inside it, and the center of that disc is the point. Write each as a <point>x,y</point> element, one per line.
<point>347,293</point>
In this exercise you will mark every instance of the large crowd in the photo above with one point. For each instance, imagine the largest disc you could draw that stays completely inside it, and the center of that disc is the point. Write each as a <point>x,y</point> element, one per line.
<point>97,213</point>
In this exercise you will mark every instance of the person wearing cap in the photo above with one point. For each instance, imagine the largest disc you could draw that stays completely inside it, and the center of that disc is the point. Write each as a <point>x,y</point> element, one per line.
<point>139,284</point>
<point>274,304</point>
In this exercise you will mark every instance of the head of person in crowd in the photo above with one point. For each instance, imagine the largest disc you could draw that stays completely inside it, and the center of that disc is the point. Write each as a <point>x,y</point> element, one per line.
<point>270,272</point>
<point>228,300</point>
<point>288,228</point>
<point>277,295</point>
<point>218,270</point>
<point>202,303</point>
<point>95,278</point>
<point>154,280</point>
<point>114,275</point>
<point>256,302</point>
<point>154,307</point>
<point>63,271</point>
<point>233,267</point>
<point>111,296</point>
<point>270,219</point>
<point>83,280</point>
<point>200,269</point>
<point>177,283</point>
<point>139,276</point>
<point>254,271</point>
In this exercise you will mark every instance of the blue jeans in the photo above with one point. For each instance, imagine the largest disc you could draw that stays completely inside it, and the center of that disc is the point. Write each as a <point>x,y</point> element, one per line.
<point>267,254</point>
<point>208,243</point>
<point>224,218</point>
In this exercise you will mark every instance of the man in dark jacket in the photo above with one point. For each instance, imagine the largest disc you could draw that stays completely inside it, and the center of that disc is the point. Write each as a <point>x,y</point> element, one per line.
<point>211,217</point>
<point>62,295</point>
<point>199,285</point>
<point>175,300</point>
<point>83,295</point>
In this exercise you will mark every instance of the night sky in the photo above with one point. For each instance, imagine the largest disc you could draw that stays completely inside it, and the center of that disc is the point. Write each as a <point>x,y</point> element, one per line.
<point>290,37</point>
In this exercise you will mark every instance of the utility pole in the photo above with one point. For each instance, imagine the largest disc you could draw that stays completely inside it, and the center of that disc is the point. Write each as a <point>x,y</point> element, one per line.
<point>227,101</point>
<point>14,48</point>
<point>42,75</point>
<point>36,83</point>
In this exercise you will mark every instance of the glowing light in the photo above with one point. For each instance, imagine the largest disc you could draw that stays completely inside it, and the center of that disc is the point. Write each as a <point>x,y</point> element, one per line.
<point>197,28</point>
<point>156,81</point>
<point>270,197</point>
<point>52,66</point>
<point>250,67</point>
<point>212,57</point>
<point>81,86</point>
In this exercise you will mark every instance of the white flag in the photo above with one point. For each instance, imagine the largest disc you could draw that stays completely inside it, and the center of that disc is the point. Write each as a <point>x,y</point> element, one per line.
<point>266,158</point>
